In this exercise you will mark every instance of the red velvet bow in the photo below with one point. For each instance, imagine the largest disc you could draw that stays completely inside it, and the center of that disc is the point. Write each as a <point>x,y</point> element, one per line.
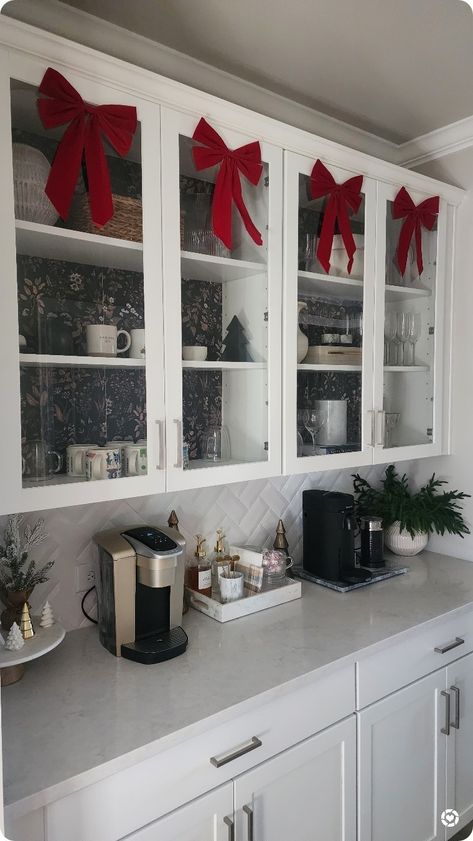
<point>342,199</point>
<point>424,214</point>
<point>245,159</point>
<point>86,124</point>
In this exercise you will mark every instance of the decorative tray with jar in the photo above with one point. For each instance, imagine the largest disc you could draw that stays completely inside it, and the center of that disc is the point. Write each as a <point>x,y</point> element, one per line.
<point>260,578</point>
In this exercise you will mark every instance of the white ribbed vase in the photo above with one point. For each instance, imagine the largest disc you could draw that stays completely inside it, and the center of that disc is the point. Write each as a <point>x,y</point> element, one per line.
<point>401,542</point>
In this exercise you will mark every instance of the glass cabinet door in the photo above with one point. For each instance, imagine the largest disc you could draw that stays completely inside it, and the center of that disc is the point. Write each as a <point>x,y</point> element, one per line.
<point>408,355</point>
<point>328,316</point>
<point>222,304</point>
<point>84,306</point>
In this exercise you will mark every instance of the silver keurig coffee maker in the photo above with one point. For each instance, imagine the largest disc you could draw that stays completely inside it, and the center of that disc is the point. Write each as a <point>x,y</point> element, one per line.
<point>140,588</point>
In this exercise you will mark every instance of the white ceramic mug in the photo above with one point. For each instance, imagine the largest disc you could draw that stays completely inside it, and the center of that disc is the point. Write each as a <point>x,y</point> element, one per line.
<point>75,458</point>
<point>137,348</point>
<point>102,340</point>
<point>136,459</point>
<point>103,463</point>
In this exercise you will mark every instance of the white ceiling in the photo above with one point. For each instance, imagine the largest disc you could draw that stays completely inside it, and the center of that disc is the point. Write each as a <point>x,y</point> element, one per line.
<point>398,69</point>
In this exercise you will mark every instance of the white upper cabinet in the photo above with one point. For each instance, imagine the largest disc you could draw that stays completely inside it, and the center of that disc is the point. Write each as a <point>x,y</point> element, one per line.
<point>70,289</point>
<point>222,304</point>
<point>411,318</point>
<point>328,317</point>
<point>214,330</point>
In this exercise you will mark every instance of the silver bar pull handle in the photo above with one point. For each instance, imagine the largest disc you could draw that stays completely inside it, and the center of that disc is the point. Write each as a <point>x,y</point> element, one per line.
<point>249,814</point>
<point>380,439</point>
<point>442,649</point>
<point>160,444</point>
<point>446,729</point>
<point>229,823</point>
<point>224,758</point>
<point>372,421</point>
<point>456,694</point>
<point>178,423</point>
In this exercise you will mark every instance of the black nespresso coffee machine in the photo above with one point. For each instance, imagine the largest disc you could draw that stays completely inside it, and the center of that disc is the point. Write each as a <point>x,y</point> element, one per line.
<point>329,527</point>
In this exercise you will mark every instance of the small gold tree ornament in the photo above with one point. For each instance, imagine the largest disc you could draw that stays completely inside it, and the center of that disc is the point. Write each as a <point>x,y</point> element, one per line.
<point>26,625</point>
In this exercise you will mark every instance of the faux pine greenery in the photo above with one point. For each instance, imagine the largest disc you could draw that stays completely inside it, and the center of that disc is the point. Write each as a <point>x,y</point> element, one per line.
<point>429,509</point>
<point>16,573</point>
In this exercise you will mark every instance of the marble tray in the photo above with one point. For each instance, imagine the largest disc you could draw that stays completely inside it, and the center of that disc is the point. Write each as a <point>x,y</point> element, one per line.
<point>248,604</point>
<point>379,574</point>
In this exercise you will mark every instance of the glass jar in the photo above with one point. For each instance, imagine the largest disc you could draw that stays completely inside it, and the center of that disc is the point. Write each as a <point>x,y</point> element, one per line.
<point>275,565</point>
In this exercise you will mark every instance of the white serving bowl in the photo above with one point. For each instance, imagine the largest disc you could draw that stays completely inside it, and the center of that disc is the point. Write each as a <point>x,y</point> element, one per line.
<point>194,353</point>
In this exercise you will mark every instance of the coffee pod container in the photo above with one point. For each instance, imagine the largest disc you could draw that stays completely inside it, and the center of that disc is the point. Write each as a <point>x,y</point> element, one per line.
<point>372,542</point>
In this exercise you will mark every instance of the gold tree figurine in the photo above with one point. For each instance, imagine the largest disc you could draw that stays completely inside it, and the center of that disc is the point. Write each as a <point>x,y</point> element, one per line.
<point>280,541</point>
<point>173,522</point>
<point>26,625</point>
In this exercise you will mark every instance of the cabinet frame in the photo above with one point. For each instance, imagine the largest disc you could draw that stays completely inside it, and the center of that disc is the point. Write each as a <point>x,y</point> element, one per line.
<point>292,463</point>
<point>439,445</point>
<point>13,496</point>
<point>174,124</point>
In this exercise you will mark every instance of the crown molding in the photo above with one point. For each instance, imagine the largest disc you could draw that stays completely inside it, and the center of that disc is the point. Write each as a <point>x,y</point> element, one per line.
<point>437,144</point>
<point>59,19</point>
<point>96,33</point>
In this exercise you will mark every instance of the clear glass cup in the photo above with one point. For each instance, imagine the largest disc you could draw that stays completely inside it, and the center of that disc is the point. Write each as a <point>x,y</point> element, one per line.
<point>275,566</point>
<point>403,334</point>
<point>414,331</point>
<point>390,330</point>
<point>217,444</point>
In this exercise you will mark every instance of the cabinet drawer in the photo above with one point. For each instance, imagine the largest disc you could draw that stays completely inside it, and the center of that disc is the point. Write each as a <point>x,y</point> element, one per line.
<point>416,655</point>
<point>130,799</point>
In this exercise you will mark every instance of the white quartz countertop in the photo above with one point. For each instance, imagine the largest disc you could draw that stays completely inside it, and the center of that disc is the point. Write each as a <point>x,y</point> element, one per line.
<point>80,714</point>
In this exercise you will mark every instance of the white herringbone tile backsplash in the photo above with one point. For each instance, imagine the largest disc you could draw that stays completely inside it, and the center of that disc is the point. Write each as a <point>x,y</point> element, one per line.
<point>248,512</point>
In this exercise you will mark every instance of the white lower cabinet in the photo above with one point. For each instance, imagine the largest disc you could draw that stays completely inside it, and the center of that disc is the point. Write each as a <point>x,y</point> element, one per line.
<point>460,741</point>
<point>209,818</point>
<point>307,792</point>
<point>402,761</point>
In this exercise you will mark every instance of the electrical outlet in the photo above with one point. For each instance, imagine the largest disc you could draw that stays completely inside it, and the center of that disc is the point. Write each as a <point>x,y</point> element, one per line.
<point>85,577</point>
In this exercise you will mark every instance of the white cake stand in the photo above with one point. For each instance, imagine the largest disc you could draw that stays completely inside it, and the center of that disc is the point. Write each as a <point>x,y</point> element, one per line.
<point>12,663</point>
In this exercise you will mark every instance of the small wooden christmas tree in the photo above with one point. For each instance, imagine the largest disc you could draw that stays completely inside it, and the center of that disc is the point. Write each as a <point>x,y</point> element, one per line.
<point>15,639</point>
<point>173,521</point>
<point>26,625</point>
<point>47,616</point>
<point>235,343</point>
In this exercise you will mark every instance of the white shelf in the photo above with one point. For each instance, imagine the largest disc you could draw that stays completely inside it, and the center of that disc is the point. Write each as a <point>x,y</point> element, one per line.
<point>36,240</point>
<point>406,369</point>
<point>218,269</point>
<point>52,361</point>
<point>314,283</point>
<point>322,367</point>
<point>329,286</point>
<point>205,463</point>
<point>406,293</point>
<point>225,366</point>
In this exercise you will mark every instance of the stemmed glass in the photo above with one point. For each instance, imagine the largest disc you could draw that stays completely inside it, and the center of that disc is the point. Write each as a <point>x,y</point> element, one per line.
<point>403,333</point>
<point>390,330</point>
<point>414,332</point>
<point>312,423</point>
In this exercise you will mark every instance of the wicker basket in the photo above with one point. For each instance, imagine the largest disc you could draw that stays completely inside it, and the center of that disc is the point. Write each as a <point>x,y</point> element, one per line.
<point>126,222</point>
<point>30,173</point>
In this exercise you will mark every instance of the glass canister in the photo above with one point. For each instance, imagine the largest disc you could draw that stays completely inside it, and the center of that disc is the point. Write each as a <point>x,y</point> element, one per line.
<point>275,565</point>
<point>372,541</point>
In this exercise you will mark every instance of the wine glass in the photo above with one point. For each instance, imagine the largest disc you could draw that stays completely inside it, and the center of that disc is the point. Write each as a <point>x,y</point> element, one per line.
<point>392,420</point>
<point>312,424</point>
<point>390,330</point>
<point>415,327</point>
<point>403,333</point>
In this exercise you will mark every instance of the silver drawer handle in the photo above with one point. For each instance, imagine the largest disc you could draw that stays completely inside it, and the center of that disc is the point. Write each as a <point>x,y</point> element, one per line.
<point>456,694</point>
<point>231,828</point>
<point>442,649</point>
<point>218,761</point>
<point>446,729</point>
<point>249,814</point>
